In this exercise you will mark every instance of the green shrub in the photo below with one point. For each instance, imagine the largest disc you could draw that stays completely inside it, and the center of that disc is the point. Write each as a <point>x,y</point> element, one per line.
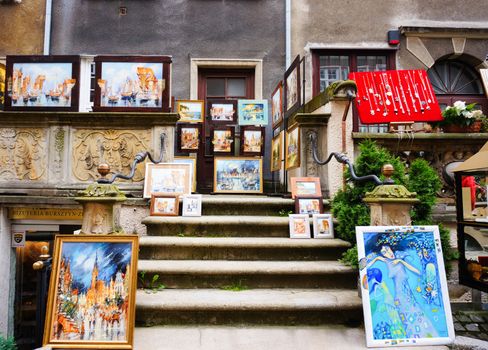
<point>7,343</point>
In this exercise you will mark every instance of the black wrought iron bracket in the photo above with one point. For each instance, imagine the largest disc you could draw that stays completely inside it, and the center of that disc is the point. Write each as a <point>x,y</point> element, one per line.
<point>139,158</point>
<point>342,158</point>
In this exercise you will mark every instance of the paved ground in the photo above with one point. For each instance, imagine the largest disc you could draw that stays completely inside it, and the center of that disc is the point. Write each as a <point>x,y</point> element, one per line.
<point>473,324</point>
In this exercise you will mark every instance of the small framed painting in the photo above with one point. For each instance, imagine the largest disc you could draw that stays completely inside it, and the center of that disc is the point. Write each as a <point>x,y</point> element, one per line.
<point>192,205</point>
<point>299,226</point>
<point>132,83</point>
<point>167,178</point>
<point>193,167</point>
<point>222,111</point>
<point>238,175</point>
<point>190,111</point>
<point>277,105</point>
<point>188,137</point>
<point>276,152</point>
<point>42,83</point>
<point>164,205</point>
<point>292,87</point>
<point>322,226</point>
<point>3,72</point>
<point>309,205</point>
<point>305,187</point>
<point>292,148</point>
<point>403,286</point>
<point>252,141</point>
<point>253,112</point>
<point>223,140</point>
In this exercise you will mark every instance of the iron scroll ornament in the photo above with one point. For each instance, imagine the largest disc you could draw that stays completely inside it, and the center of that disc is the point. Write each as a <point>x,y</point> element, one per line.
<point>342,158</point>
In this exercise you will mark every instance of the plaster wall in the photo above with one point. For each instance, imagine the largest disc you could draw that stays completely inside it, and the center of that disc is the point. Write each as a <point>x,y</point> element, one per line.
<point>22,28</point>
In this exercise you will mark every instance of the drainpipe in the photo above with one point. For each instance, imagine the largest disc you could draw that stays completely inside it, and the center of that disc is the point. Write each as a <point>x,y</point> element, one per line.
<point>288,32</point>
<point>47,27</point>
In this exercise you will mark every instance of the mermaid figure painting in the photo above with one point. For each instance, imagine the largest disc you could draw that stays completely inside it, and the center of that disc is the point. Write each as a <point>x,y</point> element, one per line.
<point>403,285</point>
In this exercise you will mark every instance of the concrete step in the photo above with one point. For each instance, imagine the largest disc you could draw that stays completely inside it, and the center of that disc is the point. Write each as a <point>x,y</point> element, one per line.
<point>257,307</point>
<point>248,274</point>
<point>239,248</point>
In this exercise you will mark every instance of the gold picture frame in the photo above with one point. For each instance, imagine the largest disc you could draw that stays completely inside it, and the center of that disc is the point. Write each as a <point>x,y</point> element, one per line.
<point>190,111</point>
<point>193,162</point>
<point>167,178</point>
<point>99,273</point>
<point>292,148</point>
<point>164,205</point>
<point>238,175</point>
<point>276,152</point>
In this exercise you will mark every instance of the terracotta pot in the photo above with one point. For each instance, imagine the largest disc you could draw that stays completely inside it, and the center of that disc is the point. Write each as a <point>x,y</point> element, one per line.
<point>475,127</point>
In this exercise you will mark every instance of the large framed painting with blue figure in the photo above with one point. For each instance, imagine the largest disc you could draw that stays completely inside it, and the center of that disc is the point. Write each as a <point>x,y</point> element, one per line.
<point>403,286</point>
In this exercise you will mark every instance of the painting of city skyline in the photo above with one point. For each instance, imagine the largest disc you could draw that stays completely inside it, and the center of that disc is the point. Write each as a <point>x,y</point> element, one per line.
<point>238,175</point>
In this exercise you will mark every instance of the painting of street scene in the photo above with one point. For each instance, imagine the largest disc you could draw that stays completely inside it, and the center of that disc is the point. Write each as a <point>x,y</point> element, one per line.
<point>292,89</point>
<point>93,290</point>
<point>41,85</point>
<point>252,141</point>
<point>222,112</point>
<point>404,286</point>
<point>292,158</point>
<point>131,84</point>
<point>222,141</point>
<point>189,138</point>
<point>167,178</point>
<point>238,175</point>
<point>253,112</point>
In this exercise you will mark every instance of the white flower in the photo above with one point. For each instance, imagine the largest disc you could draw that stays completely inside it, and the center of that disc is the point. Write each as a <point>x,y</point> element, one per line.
<point>460,105</point>
<point>477,113</point>
<point>467,114</point>
<point>448,108</point>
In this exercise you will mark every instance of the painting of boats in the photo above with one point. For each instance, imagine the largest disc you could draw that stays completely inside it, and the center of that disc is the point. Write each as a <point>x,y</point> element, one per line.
<point>253,112</point>
<point>238,175</point>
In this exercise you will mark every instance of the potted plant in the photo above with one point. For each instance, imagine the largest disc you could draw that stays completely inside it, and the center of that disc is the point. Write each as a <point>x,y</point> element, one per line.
<point>462,117</point>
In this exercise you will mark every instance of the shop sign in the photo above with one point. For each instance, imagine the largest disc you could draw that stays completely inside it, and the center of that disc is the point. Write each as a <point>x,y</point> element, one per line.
<point>45,214</point>
<point>18,239</point>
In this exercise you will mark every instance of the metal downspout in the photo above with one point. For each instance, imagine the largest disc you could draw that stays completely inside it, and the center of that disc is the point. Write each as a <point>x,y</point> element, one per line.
<point>47,27</point>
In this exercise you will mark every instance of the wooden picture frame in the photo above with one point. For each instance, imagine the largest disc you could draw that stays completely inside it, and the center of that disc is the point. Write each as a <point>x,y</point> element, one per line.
<point>222,111</point>
<point>292,85</point>
<point>190,111</point>
<point>323,226</point>
<point>277,152</point>
<point>292,148</point>
<point>277,105</point>
<point>299,226</point>
<point>403,283</point>
<point>309,205</point>
<point>252,112</point>
<point>252,140</point>
<point>193,163</point>
<point>238,175</point>
<point>189,137</point>
<point>84,266</point>
<point>3,79</point>
<point>167,178</point>
<point>132,84</point>
<point>222,139</point>
<point>164,205</point>
<point>305,186</point>
<point>192,205</point>
<point>42,83</point>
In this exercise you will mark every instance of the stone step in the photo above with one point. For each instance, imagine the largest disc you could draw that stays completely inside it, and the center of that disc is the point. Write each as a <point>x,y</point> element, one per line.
<point>247,274</point>
<point>257,307</point>
<point>239,248</point>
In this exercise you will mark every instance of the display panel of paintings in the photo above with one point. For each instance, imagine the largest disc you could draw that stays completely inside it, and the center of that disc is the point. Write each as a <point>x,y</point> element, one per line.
<point>164,205</point>
<point>188,137</point>
<point>222,140</point>
<point>403,286</point>
<point>308,205</point>
<point>252,141</point>
<point>299,226</point>
<point>277,105</point>
<point>192,205</point>
<point>222,111</point>
<point>238,175</point>
<point>292,87</point>
<point>277,152</point>
<point>91,300</point>
<point>323,226</point>
<point>132,83</point>
<point>193,163</point>
<point>252,112</point>
<point>292,148</point>
<point>167,178</point>
<point>305,187</point>
<point>3,74</point>
<point>42,83</point>
<point>190,111</point>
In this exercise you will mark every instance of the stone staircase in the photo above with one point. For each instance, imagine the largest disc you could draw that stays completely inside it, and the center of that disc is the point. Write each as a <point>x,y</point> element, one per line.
<point>235,265</point>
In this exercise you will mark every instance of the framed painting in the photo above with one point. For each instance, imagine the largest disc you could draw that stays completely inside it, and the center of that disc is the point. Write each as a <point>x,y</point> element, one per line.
<point>42,83</point>
<point>322,226</point>
<point>277,105</point>
<point>2,85</point>
<point>252,112</point>
<point>222,111</point>
<point>132,83</point>
<point>292,148</point>
<point>164,205</point>
<point>305,187</point>
<point>299,226</point>
<point>309,205</point>
<point>188,137</point>
<point>92,290</point>
<point>276,152</point>
<point>292,87</point>
<point>403,286</point>
<point>167,178</point>
<point>252,140</point>
<point>222,140</point>
<point>192,205</point>
<point>190,111</point>
<point>193,167</point>
<point>238,175</point>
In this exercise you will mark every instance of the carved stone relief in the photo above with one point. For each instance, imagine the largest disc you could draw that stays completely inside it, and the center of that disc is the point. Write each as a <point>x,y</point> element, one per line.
<point>114,147</point>
<point>58,150</point>
<point>312,167</point>
<point>22,154</point>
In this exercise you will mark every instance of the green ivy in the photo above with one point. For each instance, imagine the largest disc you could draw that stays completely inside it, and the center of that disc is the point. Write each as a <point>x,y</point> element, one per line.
<point>7,343</point>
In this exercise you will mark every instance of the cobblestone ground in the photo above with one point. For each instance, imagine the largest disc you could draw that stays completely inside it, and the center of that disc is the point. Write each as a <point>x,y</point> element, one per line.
<point>473,324</point>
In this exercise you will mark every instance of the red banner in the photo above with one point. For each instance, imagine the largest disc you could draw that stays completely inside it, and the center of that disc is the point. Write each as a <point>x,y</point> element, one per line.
<point>395,96</point>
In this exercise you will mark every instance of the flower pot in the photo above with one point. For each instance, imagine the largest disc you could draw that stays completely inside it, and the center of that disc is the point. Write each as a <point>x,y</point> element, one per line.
<point>475,127</point>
